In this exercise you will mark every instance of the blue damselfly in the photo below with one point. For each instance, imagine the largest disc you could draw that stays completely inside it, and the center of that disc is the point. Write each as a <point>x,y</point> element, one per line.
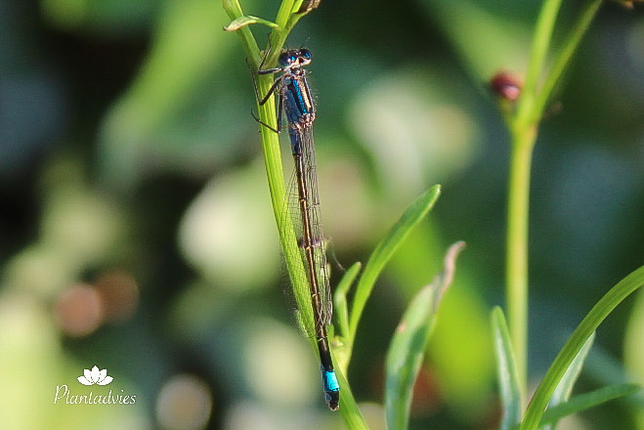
<point>296,103</point>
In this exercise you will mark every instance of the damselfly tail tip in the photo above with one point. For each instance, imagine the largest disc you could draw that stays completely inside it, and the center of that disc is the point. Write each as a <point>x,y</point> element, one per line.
<point>333,400</point>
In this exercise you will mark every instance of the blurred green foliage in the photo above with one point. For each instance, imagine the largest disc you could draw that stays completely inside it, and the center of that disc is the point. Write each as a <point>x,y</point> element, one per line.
<point>137,233</point>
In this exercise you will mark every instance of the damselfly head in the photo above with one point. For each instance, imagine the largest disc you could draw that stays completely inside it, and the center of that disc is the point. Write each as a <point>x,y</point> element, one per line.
<point>295,58</point>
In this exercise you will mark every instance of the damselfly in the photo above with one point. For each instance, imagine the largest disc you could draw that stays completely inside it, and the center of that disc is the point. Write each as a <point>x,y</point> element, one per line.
<point>296,103</point>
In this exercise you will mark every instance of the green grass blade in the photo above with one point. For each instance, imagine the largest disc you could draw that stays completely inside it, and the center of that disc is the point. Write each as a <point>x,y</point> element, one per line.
<point>383,252</point>
<point>407,348</point>
<point>341,309</point>
<point>576,341</point>
<point>565,54</point>
<point>506,372</point>
<point>564,388</point>
<point>588,400</point>
<point>349,408</point>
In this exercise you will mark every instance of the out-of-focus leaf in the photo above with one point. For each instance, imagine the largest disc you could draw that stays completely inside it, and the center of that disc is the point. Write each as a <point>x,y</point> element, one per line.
<point>504,44</point>
<point>433,126</point>
<point>407,348</point>
<point>102,18</point>
<point>586,401</point>
<point>144,129</point>
<point>507,372</point>
<point>213,235</point>
<point>634,348</point>
<point>564,389</point>
<point>35,370</point>
<point>30,361</point>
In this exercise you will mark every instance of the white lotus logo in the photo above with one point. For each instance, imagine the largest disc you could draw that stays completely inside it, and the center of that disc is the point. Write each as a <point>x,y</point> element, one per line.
<point>95,376</point>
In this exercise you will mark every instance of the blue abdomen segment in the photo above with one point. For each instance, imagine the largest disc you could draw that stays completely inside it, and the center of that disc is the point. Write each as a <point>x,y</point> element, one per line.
<point>331,389</point>
<point>330,381</point>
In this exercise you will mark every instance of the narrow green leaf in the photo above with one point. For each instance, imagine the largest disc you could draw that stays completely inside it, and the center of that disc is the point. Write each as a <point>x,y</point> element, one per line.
<point>234,11</point>
<point>407,348</point>
<point>245,20</point>
<point>506,372</point>
<point>564,388</point>
<point>588,325</point>
<point>286,9</point>
<point>565,54</point>
<point>587,400</point>
<point>349,408</point>
<point>385,249</point>
<point>340,298</point>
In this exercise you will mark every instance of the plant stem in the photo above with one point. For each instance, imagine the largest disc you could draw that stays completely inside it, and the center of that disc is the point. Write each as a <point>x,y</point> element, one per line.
<point>524,126</point>
<point>517,247</point>
<point>233,10</point>
<point>272,153</point>
<point>539,53</point>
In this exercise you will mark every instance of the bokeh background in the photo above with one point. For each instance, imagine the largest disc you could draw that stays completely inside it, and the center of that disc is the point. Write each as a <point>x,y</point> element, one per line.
<point>136,232</point>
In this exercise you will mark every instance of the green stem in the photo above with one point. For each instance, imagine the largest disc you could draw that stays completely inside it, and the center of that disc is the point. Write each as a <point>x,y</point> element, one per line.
<point>234,11</point>
<point>279,34</point>
<point>524,129</point>
<point>539,53</point>
<point>285,20</point>
<point>517,248</point>
<point>524,126</point>
<point>273,158</point>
